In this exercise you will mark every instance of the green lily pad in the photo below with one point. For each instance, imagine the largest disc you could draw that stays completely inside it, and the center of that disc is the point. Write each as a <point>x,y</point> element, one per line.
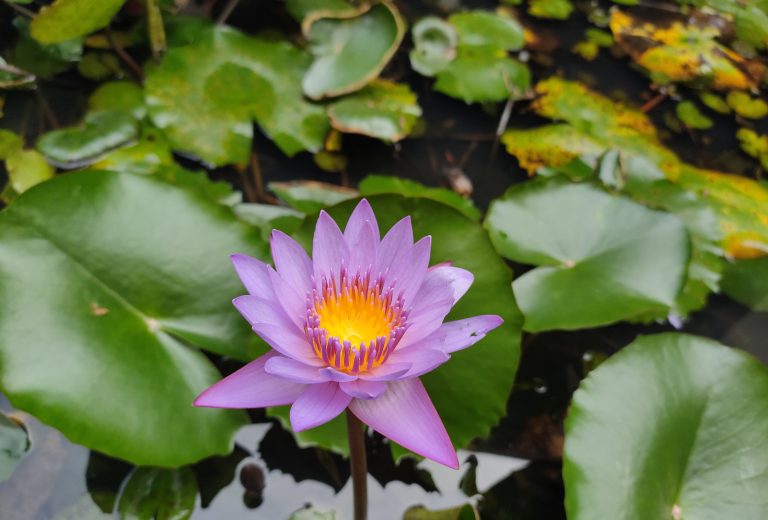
<point>351,52</point>
<point>67,19</point>
<point>267,217</point>
<point>556,9</point>
<point>602,258</point>
<point>487,30</point>
<point>309,196</point>
<point>99,133</point>
<point>380,184</point>
<point>754,145</point>
<point>27,168</point>
<point>14,444</point>
<point>108,298</point>
<point>747,282</point>
<point>672,427</point>
<point>308,12</point>
<point>470,391</point>
<point>744,105</point>
<point>119,96</point>
<point>715,102</point>
<point>224,80</point>
<point>154,493</point>
<point>383,109</point>
<point>143,158</point>
<point>434,43</point>
<point>481,77</point>
<point>692,117</point>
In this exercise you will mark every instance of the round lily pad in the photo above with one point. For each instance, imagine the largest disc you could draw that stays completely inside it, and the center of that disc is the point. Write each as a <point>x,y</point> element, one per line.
<point>673,427</point>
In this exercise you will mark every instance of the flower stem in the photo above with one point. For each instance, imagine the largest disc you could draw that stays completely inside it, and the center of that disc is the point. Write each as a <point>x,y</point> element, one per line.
<point>358,465</point>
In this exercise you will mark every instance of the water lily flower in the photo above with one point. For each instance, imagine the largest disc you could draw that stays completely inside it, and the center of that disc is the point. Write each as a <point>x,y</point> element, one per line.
<point>352,327</point>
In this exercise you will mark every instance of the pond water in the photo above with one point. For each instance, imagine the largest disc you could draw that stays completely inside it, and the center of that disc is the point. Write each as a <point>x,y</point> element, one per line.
<point>518,464</point>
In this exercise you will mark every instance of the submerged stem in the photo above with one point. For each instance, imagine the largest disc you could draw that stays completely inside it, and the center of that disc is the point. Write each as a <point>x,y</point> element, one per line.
<point>358,465</point>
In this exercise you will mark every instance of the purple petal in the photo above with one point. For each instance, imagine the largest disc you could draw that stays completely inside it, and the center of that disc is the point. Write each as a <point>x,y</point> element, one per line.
<point>317,405</point>
<point>251,387</point>
<point>409,274</point>
<point>292,262</point>
<point>441,289</point>
<point>424,358</point>
<point>332,374</point>
<point>397,242</point>
<point>254,274</point>
<point>386,372</point>
<point>363,246</point>
<point>405,414</point>
<point>288,342</point>
<point>288,368</point>
<point>361,389</point>
<point>457,335</point>
<point>363,213</point>
<point>293,303</point>
<point>258,310</point>
<point>329,250</point>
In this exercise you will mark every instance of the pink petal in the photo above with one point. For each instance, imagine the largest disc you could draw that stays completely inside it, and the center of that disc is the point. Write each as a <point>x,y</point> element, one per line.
<point>405,414</point>
<point>292,262</point>
<point>317,405</point>
<point>459,334</point>
<point>329,250</point>
<point>363,246</point>
<point>361,389</point>
<point>362,214</point>
<point>251,387</point>
<point>397,242</point>
<point>254,274</point>
<point>288,368</point>
<point>293,303</point>
<point>441,289</point>
<point>424,358</point>
<point>386,372</point>
<point>258,310</point>
<point>410,274</point>
<point>288,342</point>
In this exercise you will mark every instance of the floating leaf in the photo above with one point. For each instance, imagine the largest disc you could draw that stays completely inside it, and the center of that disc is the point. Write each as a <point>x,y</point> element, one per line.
<point>470,391</point>
<point>715,102</point>
<point>309,196</point>
<point>672,427</point>
<point>26,168</point>
<point>268,217</point>
<point>100,132</point>
<point>162,494</point>
<point>602,258</point>
<point>487,30</point>
<point>351,52</point>
<point>557,9</point>
<point>691,116</point>
<point>14,444</point>
<point>746,281</point>
<point>98,66</point>
<point>383,109</point>
<point>745,106</point>
<point>119,96</point>
<point>41,59</point>
<point>750,19</point>
<point>106,316</point>
<point>67,19</point>
<point>224,80</point>
<point>754,145</point>
<point>143,158</point>
<point>482,77</point>
<point>434,43</point>
<point>680,49</point>
<point>379,184</point>
<point>309,11</point>
<point>9,143</point>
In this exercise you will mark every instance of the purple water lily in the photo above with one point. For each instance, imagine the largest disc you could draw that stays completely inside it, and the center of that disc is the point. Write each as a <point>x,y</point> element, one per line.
<point>353,327</point>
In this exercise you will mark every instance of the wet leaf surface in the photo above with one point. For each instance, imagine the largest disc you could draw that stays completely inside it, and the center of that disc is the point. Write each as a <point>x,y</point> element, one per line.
<point>674,426</point>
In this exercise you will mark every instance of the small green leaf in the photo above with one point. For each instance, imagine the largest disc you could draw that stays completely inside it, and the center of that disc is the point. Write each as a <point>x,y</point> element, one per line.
<point>9,143</point>
<point>435,43</point>
<point>383,109</point>
<point>67,19</point>
<point>99,133</point>
<point>479,77</point>
<point>41,59</point>
<point>602,258</point>
<point>746,281</point>
<point>14,444</point>
<point>309,196</point>
<point>672,427</point>
<point>351,52</point>
<point>27,168</point>
<point>379,184</point>
<point>557,9</point>
<point>158,494</point>
<point>691,116</point>
<point>744,105</point>
<point>487,31</point>
<point>715,102</point>
<point>109,300</point>
<point>119,96</point>
<point>754,145</point>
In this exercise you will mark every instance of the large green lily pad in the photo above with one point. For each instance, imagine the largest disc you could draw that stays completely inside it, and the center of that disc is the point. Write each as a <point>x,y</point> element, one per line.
<point>470,391</point>
<point>101,302</point>
<point>383,109</point>
<point>673,427</point>
<point>351,52</point>
<point>67,19</point>
<point>224,80</point>
<point>602,258</point>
